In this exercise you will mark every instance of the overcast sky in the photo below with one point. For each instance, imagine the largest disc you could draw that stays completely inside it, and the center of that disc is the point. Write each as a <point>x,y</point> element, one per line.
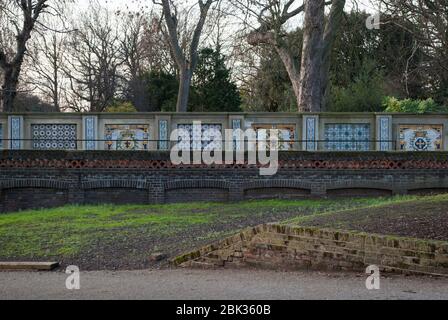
<point>137,4</point>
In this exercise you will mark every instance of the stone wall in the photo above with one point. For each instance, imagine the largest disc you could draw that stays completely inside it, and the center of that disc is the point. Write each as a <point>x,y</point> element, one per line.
<point>290,248</point>
<point>151,131</point>
<point>35,179</point>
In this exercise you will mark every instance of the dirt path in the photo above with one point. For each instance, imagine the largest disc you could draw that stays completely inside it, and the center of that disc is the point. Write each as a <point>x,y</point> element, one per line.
<point>217,285</point>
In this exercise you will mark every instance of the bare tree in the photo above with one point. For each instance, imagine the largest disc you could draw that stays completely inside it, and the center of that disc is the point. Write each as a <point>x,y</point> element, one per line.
<point>23,15</point>
<point>93,68</point>
<point>144,49</point>
<point>186,57</point>
<point>427,21</point>
<point>47,67</point>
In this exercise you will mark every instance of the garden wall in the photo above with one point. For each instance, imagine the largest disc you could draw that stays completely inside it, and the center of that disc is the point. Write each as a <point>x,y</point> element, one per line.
<point>35,179</point>
<point>290,248</point>
<point>152,131</point>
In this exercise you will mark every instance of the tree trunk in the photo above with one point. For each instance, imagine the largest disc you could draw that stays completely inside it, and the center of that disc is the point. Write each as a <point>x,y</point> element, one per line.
<point>9,89</point>
<point>331,30</point>
<point>310,96</point>
<point>292,68</point>
<point>184,90</point>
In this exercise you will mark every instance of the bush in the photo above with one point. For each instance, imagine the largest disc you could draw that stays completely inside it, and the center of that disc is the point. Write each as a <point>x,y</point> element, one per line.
<point>392,104</point>
<point>121,107</point>
<point>365,94</point>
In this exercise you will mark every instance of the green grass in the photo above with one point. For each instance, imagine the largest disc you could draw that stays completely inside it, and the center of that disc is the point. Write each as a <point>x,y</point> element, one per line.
<point>73,230</point>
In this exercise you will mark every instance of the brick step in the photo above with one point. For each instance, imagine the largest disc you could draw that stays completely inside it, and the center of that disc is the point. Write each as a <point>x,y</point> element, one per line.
<point>201,265</point>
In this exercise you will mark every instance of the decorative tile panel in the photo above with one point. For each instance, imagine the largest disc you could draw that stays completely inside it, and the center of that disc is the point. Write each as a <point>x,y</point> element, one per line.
<point>127,137</point>
<point>311,133</point>
<point>15,132</point>
<point>385,130</point>
<point>286,135</point>
<point>421,137</point>
<point>236,125</point>
<point>54,136</point>
<point>201,137</point>
<point>163,135</point>
<point>347,137</point>
<point>90,132</point>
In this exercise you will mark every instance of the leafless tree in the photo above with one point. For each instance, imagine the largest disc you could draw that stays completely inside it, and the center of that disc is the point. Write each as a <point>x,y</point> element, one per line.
<point>144,49</point>
<point>18,19</point>
<point>93,68</point>
<point>428,22</point>
<point>186,57</point>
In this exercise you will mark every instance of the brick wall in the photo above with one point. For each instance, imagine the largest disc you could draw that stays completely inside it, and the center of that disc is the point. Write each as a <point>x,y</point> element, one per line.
<point>35,179</point>
<point>290,248</point>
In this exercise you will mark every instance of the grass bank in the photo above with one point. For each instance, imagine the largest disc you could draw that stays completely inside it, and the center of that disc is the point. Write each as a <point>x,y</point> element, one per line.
<point>123,237</point>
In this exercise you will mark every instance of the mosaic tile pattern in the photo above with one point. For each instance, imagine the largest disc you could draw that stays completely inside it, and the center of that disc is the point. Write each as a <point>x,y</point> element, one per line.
<point>54,136</point>
<point>385,137</point>
<point>90,125</point>
<point>421,137</point>
<point>311,134</point>
<point>202,137</point>
<point>347,137</point>
<point>286,134</point>
<point>15,132</point>
<point>127,137</point>
<point>163,135</point>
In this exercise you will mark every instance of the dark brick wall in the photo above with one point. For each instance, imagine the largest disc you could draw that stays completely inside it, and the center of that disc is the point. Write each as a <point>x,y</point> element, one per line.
<point>196,194</point>
<point>283,193</point>
<point>359,192</point>
<point>30,179</point>
<point>28,198</point>
<point>116,196</point>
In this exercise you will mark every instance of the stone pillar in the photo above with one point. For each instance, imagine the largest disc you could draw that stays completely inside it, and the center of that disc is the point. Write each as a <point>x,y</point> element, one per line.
<point>384,133</point>
<point>16,132</point>
<point>163,133</point>
<point>90,133</point>
<point>310,133</point>
<point>236,122</point>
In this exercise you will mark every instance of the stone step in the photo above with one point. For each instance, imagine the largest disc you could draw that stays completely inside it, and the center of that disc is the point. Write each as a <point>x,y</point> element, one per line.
<point>38,266</point>
<point>202,265</point>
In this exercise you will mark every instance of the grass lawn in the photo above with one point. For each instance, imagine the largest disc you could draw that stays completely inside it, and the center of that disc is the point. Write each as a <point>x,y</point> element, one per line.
<point>123,237</point>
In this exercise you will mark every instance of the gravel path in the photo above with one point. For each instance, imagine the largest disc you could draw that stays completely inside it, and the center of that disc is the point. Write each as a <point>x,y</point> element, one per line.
<point>214,285</point>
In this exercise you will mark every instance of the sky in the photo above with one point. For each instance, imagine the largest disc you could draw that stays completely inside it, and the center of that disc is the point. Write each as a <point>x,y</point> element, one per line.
<point>136,4</point>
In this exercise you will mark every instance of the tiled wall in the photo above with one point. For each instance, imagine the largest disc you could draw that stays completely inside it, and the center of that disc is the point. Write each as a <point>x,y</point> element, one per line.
<point>54,136</point>
<point>421,137</point>
<point>126,137</point>
<point>205,137</point>
<point>347,137</point>
<point>148,131</point>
